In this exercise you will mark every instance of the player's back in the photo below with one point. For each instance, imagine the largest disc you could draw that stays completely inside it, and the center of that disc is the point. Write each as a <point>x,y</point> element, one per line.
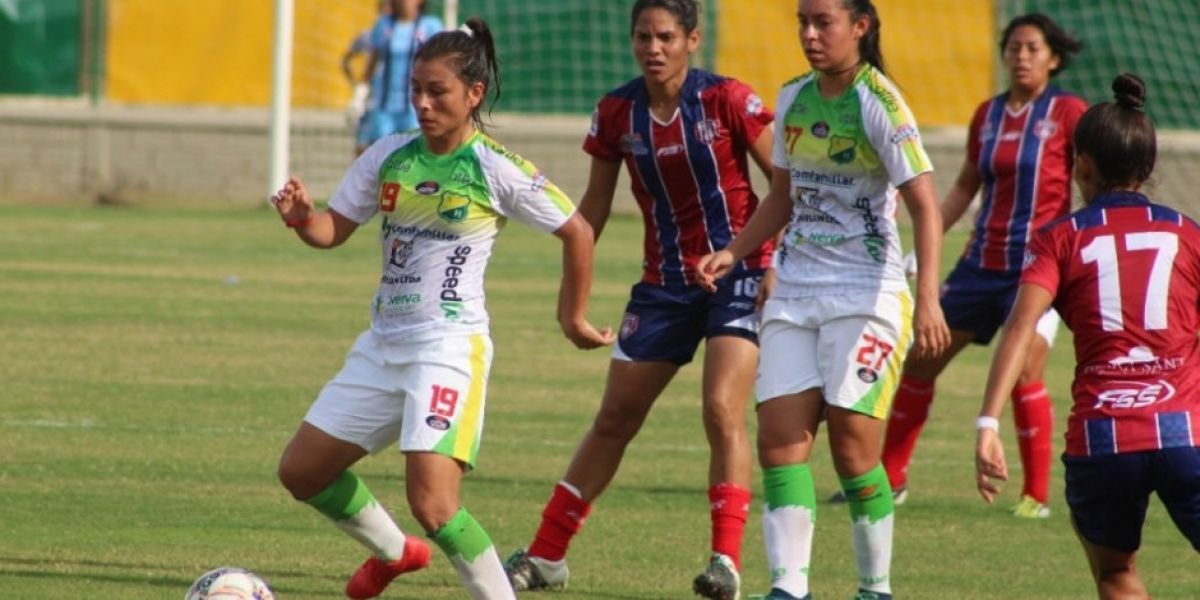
<point>1129,288</point>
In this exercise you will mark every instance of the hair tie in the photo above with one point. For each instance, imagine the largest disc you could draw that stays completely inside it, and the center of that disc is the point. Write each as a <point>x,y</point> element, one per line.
<point>467,30</point>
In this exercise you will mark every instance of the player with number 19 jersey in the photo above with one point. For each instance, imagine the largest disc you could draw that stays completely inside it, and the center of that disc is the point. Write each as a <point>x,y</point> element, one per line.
<point>1125,274</point>
<point>441,217</point>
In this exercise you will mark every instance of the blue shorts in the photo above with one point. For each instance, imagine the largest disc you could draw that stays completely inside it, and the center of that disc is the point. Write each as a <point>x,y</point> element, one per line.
<point>667,323</point>
<point>978,300</point>
<point>1108,494</point>
<point>376,124</point>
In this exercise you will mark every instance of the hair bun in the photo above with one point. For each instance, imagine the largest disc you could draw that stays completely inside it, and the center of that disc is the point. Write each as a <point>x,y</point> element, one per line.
<point>1129,90</point>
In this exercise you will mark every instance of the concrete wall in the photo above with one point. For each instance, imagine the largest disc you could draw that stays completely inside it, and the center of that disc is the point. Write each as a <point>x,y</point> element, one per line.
<point>69,150</point>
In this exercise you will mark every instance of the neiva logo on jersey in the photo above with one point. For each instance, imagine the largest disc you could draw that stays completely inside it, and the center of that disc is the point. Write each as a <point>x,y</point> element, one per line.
<point>453,207</point>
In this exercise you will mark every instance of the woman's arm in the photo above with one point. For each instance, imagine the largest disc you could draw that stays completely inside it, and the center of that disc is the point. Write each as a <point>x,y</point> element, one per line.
<point>768,219</point>
<point>323,229</point>
<point>760,151</point>
<point>961,193</point>
<point>1031,303</point>
<point>596,204</point>
<point>929,324</point>
<point>578,243</point>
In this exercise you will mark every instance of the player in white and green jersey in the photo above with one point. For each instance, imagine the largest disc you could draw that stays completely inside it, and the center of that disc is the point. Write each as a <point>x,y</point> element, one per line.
<point>419,374</point>
<point>840,320</point>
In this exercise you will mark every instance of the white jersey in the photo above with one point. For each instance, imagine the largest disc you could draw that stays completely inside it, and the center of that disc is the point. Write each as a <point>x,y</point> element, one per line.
<point>441,216</point>
<point>845,156</point>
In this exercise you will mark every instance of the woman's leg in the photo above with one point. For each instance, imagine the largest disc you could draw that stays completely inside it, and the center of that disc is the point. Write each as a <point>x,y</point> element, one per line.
<point>432,483</point>
<point>1033,414</point>
<point>1114,571</point>
<point>854,441</point>
<point>787,427</point>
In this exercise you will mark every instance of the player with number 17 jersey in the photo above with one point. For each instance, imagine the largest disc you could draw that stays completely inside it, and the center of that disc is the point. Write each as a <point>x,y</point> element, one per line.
<point>1125,274</point>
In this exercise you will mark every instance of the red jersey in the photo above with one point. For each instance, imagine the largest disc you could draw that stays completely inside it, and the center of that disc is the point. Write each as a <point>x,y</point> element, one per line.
<point>690,175</point>
<point>1125,275</point>
<point>1025,160</point>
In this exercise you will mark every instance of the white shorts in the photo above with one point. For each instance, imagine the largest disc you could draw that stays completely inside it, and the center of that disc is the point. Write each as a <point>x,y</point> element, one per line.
<point>850,346</point>
<point>1047,326</point>
<point>428,395</point>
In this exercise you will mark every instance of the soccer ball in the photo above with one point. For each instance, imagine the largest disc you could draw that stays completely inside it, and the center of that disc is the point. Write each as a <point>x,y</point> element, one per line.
<point>229,583</point>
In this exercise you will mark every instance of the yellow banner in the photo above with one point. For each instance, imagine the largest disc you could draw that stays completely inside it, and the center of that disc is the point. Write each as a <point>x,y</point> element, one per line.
<point>218,52</point>
<point>940,52</point>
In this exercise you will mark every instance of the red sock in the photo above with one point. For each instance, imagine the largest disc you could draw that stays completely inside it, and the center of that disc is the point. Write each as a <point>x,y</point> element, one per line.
<point>1034,416</point>
<point>561,520</point>
<point>909,411</point>
<point>730,504</point>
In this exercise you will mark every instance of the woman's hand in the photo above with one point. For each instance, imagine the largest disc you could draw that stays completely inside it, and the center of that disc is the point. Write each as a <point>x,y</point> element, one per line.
<point>293,203</point>
<point>989,463</point>
<point>930,331</point>
<point>764,289</point>
<point>585,336</point>
<point>713,267</point>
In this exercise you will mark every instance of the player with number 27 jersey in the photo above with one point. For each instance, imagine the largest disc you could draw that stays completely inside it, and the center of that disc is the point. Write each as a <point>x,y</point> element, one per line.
<point>1125,274</point>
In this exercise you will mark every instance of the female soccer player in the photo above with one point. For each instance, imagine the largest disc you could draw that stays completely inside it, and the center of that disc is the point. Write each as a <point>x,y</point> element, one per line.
<point>837,325</point>
<point>419,373</point>
<point>1019,151</point>
<point>395,41</point>
<point>684,136</point>
<point>1124,273</point>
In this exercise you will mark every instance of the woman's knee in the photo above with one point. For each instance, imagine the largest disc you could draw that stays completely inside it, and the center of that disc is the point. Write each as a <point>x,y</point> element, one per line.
<point>432,512</point>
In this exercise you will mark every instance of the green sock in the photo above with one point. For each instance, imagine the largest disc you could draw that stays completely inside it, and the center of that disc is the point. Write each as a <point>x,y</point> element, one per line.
<point>474,557</point>
<point>353,509</point>
<point>788,523</point>
<point>344,498</point>
<point>872,516</point>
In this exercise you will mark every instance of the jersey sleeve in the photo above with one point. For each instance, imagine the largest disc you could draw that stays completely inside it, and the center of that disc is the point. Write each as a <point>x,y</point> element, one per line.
<point>1073,109</point>
<point>1043,265</point>
<point>378,36</point>
<point>743,112</point>
<point>357,196</point>
<point>520,191</point>
<point>787,95</point>
<point>892,131</point>
<point>602,140</point>
<point>974,143</point>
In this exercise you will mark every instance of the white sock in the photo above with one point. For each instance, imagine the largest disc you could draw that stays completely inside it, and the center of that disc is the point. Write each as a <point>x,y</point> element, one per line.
<point>484,577</point>
<point>788,533</point>
<point>374,528</point>
<point>873,551</point>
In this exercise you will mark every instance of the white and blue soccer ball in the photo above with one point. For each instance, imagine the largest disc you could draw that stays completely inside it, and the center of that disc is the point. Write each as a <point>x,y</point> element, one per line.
<point>229,583</point>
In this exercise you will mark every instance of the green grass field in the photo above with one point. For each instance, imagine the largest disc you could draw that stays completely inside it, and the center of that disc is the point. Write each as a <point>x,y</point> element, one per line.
<point>155,361</point>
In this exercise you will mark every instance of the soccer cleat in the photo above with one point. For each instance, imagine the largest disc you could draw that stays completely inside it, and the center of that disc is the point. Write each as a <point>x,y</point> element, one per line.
<point>1030,508</point>
<point>720,579</point>
<point>778,594</point>
<point>867,595</point>
<point>530,573</point>
<point>374,575</point>
<point>899,495</point>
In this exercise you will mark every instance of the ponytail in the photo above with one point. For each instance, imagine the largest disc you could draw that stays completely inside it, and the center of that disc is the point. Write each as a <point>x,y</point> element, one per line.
<point>471,52</point>
<point>869,46</point>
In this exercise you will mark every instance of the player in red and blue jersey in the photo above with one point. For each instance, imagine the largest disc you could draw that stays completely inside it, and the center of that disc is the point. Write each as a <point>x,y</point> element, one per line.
<point>1124,273</point>
<point>1019,151</point>
<point>684,136</point>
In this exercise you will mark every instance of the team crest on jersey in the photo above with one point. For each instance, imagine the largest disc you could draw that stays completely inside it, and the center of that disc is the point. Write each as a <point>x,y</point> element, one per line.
<point>841,149</point>
<point>453,207</point>
<point>754,105</point>
<point>707,130</point>
<point>1028,260</point>
<point>1044,129</point>
<point>820,129</point>
<point>986,132</point>
<point>629,325</point>
<point>631,143</point>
